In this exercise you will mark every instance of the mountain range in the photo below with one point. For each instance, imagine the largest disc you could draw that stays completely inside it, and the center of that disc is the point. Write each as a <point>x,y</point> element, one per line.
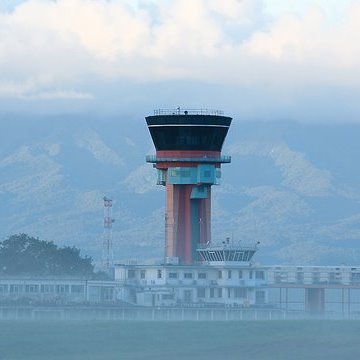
<point>294,187</point>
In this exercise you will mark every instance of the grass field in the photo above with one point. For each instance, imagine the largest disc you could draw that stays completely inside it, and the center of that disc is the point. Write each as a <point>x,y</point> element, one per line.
<point>93,340</point>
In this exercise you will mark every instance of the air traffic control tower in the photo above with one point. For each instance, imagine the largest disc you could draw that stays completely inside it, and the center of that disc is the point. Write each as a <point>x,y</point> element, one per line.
<point>188,159</point>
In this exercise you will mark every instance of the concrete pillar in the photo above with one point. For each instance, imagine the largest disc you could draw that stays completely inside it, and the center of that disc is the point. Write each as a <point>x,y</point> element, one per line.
<point>315,300</point>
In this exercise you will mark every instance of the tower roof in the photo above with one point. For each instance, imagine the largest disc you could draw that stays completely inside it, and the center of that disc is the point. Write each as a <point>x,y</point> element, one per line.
<point>188,129</point>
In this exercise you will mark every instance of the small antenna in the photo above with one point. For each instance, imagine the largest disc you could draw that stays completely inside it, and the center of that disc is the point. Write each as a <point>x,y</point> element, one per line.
<point>108,254</point>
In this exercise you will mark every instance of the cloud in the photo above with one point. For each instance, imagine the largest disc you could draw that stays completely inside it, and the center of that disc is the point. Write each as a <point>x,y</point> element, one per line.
<point>9,5</point>
<point>309,42</point>
<point>48,45</point>
<point>15,89</point>
<point>52,95</point>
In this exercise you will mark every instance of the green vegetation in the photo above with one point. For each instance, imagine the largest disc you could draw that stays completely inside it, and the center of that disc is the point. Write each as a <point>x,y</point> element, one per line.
<point>22,254</point>
<point>179,340</point>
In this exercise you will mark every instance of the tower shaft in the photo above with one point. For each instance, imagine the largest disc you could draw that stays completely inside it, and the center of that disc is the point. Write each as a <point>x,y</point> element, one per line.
<point>188,220</point>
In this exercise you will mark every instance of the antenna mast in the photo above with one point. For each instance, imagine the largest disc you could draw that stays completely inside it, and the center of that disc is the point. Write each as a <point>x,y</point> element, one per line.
<point>107,255</point>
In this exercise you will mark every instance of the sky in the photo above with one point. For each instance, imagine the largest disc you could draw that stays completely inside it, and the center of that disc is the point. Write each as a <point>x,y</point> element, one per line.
<point>256,59</point>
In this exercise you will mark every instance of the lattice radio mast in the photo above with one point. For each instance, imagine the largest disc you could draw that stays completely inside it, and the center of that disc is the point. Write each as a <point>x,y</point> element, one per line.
<point>108,254</point>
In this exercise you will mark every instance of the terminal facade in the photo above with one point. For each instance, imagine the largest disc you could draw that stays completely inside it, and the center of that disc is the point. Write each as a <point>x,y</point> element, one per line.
<point>315,289</point>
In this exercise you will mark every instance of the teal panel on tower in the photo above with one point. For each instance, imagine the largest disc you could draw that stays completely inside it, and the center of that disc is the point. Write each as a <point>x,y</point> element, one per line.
<point>161,177</point>
<point>182,176</point>
<point>206,174</point>
<point>199,192</point>
<point>202,174</point>
<point>217,176</point>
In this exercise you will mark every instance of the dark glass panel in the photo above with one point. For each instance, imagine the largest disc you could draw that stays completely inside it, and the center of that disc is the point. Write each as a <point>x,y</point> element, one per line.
<point>189,119</point>
<point>188,137</point>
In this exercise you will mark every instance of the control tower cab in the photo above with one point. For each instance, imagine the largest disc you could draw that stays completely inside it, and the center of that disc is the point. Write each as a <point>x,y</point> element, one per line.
<point>188,159</point>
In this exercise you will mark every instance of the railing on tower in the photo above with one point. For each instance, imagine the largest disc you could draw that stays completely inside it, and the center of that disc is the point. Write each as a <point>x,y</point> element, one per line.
<point>179,111</point>
<point>203,159</point>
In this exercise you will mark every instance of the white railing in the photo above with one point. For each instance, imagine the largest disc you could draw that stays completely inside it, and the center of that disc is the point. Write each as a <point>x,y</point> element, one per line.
<point>179,111</point>
<point>204,159</point>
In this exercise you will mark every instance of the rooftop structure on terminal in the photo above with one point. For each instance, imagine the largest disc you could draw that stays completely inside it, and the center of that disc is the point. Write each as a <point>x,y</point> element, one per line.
<point>227,254</point>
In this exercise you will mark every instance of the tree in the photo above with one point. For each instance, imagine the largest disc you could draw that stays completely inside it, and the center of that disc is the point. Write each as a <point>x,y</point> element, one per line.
<point>23,254</point>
